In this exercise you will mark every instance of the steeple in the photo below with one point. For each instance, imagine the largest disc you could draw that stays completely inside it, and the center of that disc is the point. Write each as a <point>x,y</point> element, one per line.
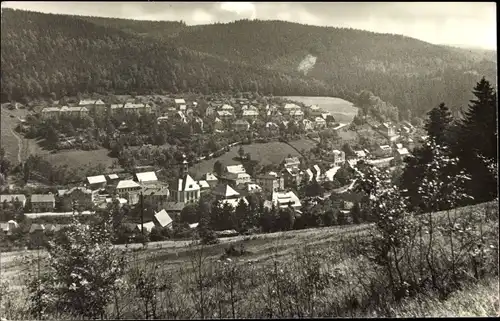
<point>184,166</point>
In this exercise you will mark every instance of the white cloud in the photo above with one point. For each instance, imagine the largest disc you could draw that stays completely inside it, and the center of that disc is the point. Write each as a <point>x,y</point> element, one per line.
<point>200,16</point>
<point>240,8</point>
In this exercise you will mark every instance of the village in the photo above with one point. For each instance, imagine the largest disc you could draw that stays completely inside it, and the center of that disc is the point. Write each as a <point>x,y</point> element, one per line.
<point>278,188</point>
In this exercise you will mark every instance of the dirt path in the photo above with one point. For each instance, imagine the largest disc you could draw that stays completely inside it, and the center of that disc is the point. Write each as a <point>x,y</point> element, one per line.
<point>19,145</point>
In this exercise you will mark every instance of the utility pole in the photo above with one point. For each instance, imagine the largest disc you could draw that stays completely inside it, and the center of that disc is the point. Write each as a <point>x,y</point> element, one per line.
<point>142,215</point>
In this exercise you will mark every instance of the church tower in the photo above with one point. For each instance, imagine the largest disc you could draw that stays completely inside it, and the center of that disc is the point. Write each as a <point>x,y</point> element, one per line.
<point>185,189</point>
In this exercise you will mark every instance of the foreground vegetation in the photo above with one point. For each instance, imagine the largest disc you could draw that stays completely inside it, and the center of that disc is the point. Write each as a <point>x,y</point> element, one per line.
<point>334,274</point>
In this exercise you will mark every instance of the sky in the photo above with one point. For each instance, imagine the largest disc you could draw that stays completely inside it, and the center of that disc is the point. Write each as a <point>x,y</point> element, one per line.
<point>471,24</point>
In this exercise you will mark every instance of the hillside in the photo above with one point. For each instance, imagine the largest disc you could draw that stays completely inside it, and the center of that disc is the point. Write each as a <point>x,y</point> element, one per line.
<point>57,55</point>
<point>44,53</point>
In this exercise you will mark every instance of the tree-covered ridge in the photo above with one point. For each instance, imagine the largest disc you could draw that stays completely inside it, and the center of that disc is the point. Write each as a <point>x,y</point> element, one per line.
<point>44,53</point>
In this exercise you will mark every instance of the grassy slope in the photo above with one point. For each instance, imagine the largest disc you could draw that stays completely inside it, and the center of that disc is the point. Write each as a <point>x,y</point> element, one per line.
<point>266,153</point>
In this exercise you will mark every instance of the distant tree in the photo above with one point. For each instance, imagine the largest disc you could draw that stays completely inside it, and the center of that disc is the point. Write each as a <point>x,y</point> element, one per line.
<point>438,124</point>
<point>241,152</point>
<point>218,168</point>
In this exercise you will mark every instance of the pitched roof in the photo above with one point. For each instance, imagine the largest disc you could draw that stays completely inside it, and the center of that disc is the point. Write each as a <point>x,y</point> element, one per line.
<point>36,227</point>
<point>203,184</point>
<point>184,184</point>
<point>236,169</point>
<point>155,191</point>
<point>209,177</point>
<point>360,153</point>
<point>250,112</point>
<point>128,183</point>
<point>227,107</point>
<point>282,199</point>
<point>179,101</point>
<point>194,225</point>
<point>96,179</point>
<point>225,190</point>
<point>163,218</point>
<point>331,172</point>
<point>291,106</point>
<point>50,109</point>
<point>319,120</point>
<point>146,177</point>
<point>242,122</point>
<point>148,226</point>
<point>42,198</point>
<point>403,151</point>
<point>77,188</point>
<point>113,176</point>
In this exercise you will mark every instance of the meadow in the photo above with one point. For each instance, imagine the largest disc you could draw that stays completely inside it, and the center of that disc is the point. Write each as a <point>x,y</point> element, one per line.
<point>342,110</point>
<point>265,153</point>
<point>306,273</point>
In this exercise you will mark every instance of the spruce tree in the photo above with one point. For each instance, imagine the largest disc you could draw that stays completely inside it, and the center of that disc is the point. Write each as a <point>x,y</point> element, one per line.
<point>477,139</point>
<point>438,124</point>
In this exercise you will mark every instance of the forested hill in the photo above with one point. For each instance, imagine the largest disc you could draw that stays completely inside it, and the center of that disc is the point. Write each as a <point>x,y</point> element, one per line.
<point>44,53</point>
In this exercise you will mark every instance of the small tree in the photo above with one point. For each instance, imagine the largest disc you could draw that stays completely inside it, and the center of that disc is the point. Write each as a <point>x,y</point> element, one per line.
<point>84,269</point>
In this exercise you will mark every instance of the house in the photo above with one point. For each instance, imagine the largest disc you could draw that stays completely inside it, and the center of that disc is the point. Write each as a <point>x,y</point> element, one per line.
<point>180,101</point>
<point>314,111</point>
<point>111,178</point>
<point>183,108</point>
<point>115,108</point>
<point>210,111</point>
<point>224,114</point>
<point>360,154</point>
<point>250,114</point>
<point>238,178</point>
<point>289,107</point>
<point>249,188</point>
<point>296,114</point>
<point>223,192</point>
<point>308,124</point>
<point>309,175</point>
<point>11,198</point>
<point>241,125</point>
<point>126,187</point>
<point>185,189</point>
<point>317,173</point>
<point>286,199</point>
<point>42,203</point>
<point>194,225</point>
<point>330,174</point>
<point>162,219</point>
<point>180,116</point>
<point>204,186</point>
<point>50,112</point>
<point>155,195</point>
<point>409,125</point>
<point>199,122</point>
<point>96,182</point>
<point>235,169</point>
<point>227,108</point>
<point>218,124</point>
<point>388,129</point>
<point>73,111</point>
<point>319,123</point>
<point>271,182</point>
<point>83,196</point>
<point>291,162</point>
<point>400,154</point>
<point>171,111</point>
<point>97,105</point>
<point>338,157</point>
<point>210,179</point>
<point>146,178</point>
<point>383,151</point>
<point>136,108</point>
<point>148,227</point>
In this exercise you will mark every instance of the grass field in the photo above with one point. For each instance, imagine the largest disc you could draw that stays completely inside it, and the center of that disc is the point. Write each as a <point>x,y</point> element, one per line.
<point>342,110</point>
<point>78,158</point>
<point>303,144</point>
<point>337,249</point>
<point>265,153</point>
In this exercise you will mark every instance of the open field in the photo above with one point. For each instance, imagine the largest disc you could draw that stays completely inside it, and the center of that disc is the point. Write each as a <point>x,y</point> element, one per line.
<point>79,158</point>
<point>278,257</point>
<point>303,144</point>
<point>265,153</point>
<point>342,110</point>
